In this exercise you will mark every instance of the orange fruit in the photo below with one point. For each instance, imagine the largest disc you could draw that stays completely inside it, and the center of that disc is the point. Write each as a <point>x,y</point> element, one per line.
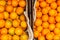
<point>37,4</point>
<point>52,12</point>
<point>9,8</point>
<point>2,23</point>
<point>40,0</point>
<point>38,14</point>
<point>43,4</point>
<point>2,8</point>
<point>58,25</point>
<point>9,37</point>
<point>13,15</point>
<point>39,28</point>
<point>58,2</point>
<point>53,5</point>
<point>14,3</point>
<point>15,37</point>
<point>49,1</point>
<point>9,2</point>
<point>51,20</point>
<point>51,27</point>
<point>6,15</point>
<point>58,8</point>
<point>2,2</point>
<point>38,22</point>
<point>56,30</point>
<point>24,24</point>
<point>18,31</point>
<point>58,14</point>
<point>1,16</point>
<point>22,17</point>
<point>11,31</point>
<point>45,24</point>
<point>41,38</point>
<point>45,11</point>
<point>48,8</point>
<point>49,36</point>
<point>22,3</point>
<point>15,23</point>
<point>3,31</point>
<point>57,18</point>
<point>19,10</point>
<point>45,18</point>
<point>45,31</point>
<point>8,24</point>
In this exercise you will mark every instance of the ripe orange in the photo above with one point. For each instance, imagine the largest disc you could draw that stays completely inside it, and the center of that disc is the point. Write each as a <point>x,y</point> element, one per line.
<point>49,1</point>
<point>22,17</point>
<point>9,8</point>
<point>19,10</point>
<point>2,23</point>
<point>18,31</point>
<point>58,25</point>
<point>1,16</point>
<point>38,22</point>
<point>58,2</point>
<point>15,37</point>
<point>58,8</point>
<point>45,31</point>
<point>56,30</point>
<point>15,23</point>
<point>37,4</point>
<point>2,8</point>
<point>9,37</point>
<point>6,15</point>
<point>41,38</point>
<point>9,2</point>
<point>52,12</point>
<point>51,20</point>
<point>13,15</point>
<point>3,31</point>
<point>48,8</point>
<point>45,24</point>
<point>8,24</point>
<point>45,18</point>
<point>22,3</point>
<point>40,0</point>
<point>14,3</point>
<point>51,27</point>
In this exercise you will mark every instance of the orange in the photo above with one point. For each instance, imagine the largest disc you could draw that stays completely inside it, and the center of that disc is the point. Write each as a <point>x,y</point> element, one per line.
<point>41,38</point>
<point>9,8</point>
<point>48,8</point>
<point>57,18</point>
<point>51,27</point>
<point>22,3</point>
<point>49,1</point>
<point>52,12</point>
<point>14,3</point>
<point>9,37</point>
<point>15,37</point>
<point>53,5</point>
<point>1,16</point>
<point>36,34</point>
<point>13,15</point>
<point>45,24</point>
<point>56,30</point>
<point>39,28</point>
<point>15,23</point>
<point>45,18</point>
<point>6,15</point>
<point>49,36</point>
<point>58,25</point>
<point>11,31</point>
<point>37,4</point>
<point>38,22</point>
<point>58,2</point>
<point>2,2</point>
<point>19,10</point>
<point>22,17</point>
<point>45,11</point>
<point>40,0</point>
<point>18,31</point>
<point>43,4</point>
<point>2,23</point>
<point>51,20</point>
<point>3,31</point>
<point>58,14</point>
<point>58,8</point>
<point>9,2</point>
<point>24,24</point>
<point>34,27</point>
<point>45,31</point>
<point>2,8</point>
<point>8,24</point>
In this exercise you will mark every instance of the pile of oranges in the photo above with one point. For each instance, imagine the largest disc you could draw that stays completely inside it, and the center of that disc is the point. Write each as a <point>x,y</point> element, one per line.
<point>47,23</point>
<point>12,20</point>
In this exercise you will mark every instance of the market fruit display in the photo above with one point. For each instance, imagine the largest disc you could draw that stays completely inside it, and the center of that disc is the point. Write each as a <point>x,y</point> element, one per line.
<point>47,23</point>
<point>13,23</point>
